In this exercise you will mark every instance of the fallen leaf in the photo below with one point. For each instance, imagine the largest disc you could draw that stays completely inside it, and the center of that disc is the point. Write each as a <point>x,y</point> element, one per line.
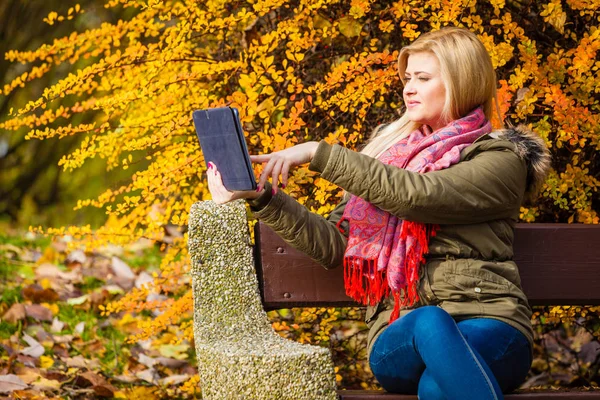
<point>55,375</point>
<point>88,379</point>
<point>113,289</point>
<point>27,374</point>
<point>75,362</point>
<point>44,338</point>
<point>142,279</point>
<point>142,392</point>
<point>174,379</point>
<point>57,325</point>
<point>39,312</point>
<point>26,394</point>
<point>46,362</point>
<point>75,301</point>
<point>9,383</point>
<point>109,250</point>
<point>79,328</point>
<point>46,385</point>
<point>52,271</point>
<point>35,349</point>
<point>63,338</point>
<point>125,379</point>
<point>121,269</point>
<point>60,351</point>
<point>171,362</point>
<point>8,349</point>
<point>15,313</point>
<point>147,361</point>
<point>144,344</point>
<point>106,390</point>
<point>11,248</point>
<point>101,387</point>
<point>38,294</point>
<point>140,245</point>
<point>150,375</point>
<point>173,230</point>
<point>80,362</point>
<point>177,351</point>
<point>28,361</point>
<point>99,297</point>
<point>76,256</point>
<point>60,246</point>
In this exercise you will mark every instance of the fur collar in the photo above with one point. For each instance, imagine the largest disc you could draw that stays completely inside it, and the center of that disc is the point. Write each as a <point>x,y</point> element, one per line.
<point>533,150</point>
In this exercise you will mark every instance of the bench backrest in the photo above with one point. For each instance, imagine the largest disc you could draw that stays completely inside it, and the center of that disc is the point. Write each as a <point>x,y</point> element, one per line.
<point>558,263</point>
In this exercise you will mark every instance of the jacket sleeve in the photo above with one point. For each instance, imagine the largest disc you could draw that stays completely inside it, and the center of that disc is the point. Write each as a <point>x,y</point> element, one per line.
<point>488,186</point>
<point>308,232</point>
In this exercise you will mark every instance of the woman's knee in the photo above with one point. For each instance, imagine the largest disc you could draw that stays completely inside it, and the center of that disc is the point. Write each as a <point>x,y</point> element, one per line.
<point>429,389</point>
<point>429,320</point>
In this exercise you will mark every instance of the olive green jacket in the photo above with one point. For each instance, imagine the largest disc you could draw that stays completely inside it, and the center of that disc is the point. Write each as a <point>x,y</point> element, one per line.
<point>469,270</point>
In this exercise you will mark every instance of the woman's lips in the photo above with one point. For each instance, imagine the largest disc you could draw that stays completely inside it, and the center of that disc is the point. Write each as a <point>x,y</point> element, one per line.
<point>411,104</point>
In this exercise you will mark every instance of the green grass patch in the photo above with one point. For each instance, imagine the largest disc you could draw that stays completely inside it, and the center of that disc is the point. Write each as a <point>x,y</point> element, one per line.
<point>116,355</point>
<point>23,241</point>
<point>72,316</point>
<point>9,295</point>
<point>149,260</point>
<point>90,283</point>
<point>7,329</point>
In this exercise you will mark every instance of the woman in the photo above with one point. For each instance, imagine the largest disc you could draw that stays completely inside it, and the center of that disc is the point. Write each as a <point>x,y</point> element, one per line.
<point>425,230</point>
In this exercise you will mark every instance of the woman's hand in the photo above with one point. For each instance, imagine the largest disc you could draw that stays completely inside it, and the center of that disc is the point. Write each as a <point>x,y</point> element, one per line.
<point>219,192</point>
<point>279,163</point>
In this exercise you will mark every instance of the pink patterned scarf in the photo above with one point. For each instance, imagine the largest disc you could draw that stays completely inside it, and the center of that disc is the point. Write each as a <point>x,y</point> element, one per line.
<point>384,252</point>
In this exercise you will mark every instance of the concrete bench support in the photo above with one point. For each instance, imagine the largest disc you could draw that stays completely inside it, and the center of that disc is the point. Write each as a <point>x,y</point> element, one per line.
<point>239,354</point>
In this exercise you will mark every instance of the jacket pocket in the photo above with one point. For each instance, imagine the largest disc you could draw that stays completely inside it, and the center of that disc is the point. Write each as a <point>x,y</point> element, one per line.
<point>372,313</point>
<point>471,281</point>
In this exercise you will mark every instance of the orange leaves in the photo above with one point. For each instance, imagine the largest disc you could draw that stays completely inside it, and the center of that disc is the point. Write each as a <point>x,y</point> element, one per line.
<point>554,14</point>
<point>386,26</point>
<point>498,5</point>
<point>358,8</point>
<point>500,53</point>
<point>504,97</point>
<point>309,70</point>
<point>53,16</point>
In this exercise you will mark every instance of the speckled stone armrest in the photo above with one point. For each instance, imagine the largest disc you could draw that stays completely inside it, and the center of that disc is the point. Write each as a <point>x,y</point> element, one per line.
<point>239,354</point>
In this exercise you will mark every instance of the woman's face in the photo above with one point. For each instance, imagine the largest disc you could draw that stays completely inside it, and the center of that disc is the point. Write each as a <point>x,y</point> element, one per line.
<point>424,91</point>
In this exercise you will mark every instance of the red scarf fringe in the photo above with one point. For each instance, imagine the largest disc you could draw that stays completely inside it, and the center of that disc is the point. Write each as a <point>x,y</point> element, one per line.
<point>368,286</point>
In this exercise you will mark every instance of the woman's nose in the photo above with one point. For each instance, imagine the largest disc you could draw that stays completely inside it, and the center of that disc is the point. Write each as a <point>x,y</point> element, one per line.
<point>408,88</point>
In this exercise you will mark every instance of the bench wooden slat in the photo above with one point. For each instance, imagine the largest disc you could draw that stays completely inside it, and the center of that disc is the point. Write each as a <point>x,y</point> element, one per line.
<point>556,261</point>
<point>541,395</point>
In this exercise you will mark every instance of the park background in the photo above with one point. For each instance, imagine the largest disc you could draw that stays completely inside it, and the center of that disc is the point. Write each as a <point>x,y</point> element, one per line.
<point>99,164</point>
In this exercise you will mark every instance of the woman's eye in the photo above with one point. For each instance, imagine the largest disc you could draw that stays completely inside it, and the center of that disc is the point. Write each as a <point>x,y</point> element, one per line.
<point>423,79</point>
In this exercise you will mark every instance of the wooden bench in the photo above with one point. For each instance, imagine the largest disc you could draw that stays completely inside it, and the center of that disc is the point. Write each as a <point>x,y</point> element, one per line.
<point>559,265</point>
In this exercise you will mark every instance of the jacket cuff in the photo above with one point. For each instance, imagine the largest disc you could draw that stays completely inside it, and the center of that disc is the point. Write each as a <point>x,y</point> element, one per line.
<point>263,200</point>
<point>319,161</point>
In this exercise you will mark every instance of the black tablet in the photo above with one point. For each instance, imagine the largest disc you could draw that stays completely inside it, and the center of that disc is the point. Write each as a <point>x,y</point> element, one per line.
<point>222,141</point>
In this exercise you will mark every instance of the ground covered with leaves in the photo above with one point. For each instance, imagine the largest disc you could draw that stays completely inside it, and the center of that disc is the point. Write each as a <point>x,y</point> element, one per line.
<point>55,341</point>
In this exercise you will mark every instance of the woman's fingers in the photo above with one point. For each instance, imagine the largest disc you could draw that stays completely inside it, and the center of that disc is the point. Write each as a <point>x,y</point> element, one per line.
<point>266,172</point>
<point>276,173</point>
<point>219,192</point>
<point>277,165</point>
<point>260,158</point>
<point>285,171</point>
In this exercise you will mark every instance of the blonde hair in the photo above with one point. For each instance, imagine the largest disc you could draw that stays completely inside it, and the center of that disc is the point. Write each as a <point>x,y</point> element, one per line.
<point>468,75</point>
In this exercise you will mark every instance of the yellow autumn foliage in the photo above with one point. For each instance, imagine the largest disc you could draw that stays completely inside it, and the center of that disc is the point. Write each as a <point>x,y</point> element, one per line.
<point>296,71</point>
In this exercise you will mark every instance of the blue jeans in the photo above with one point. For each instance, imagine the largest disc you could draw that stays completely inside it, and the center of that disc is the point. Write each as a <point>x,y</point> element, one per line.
<point>427,353</point>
